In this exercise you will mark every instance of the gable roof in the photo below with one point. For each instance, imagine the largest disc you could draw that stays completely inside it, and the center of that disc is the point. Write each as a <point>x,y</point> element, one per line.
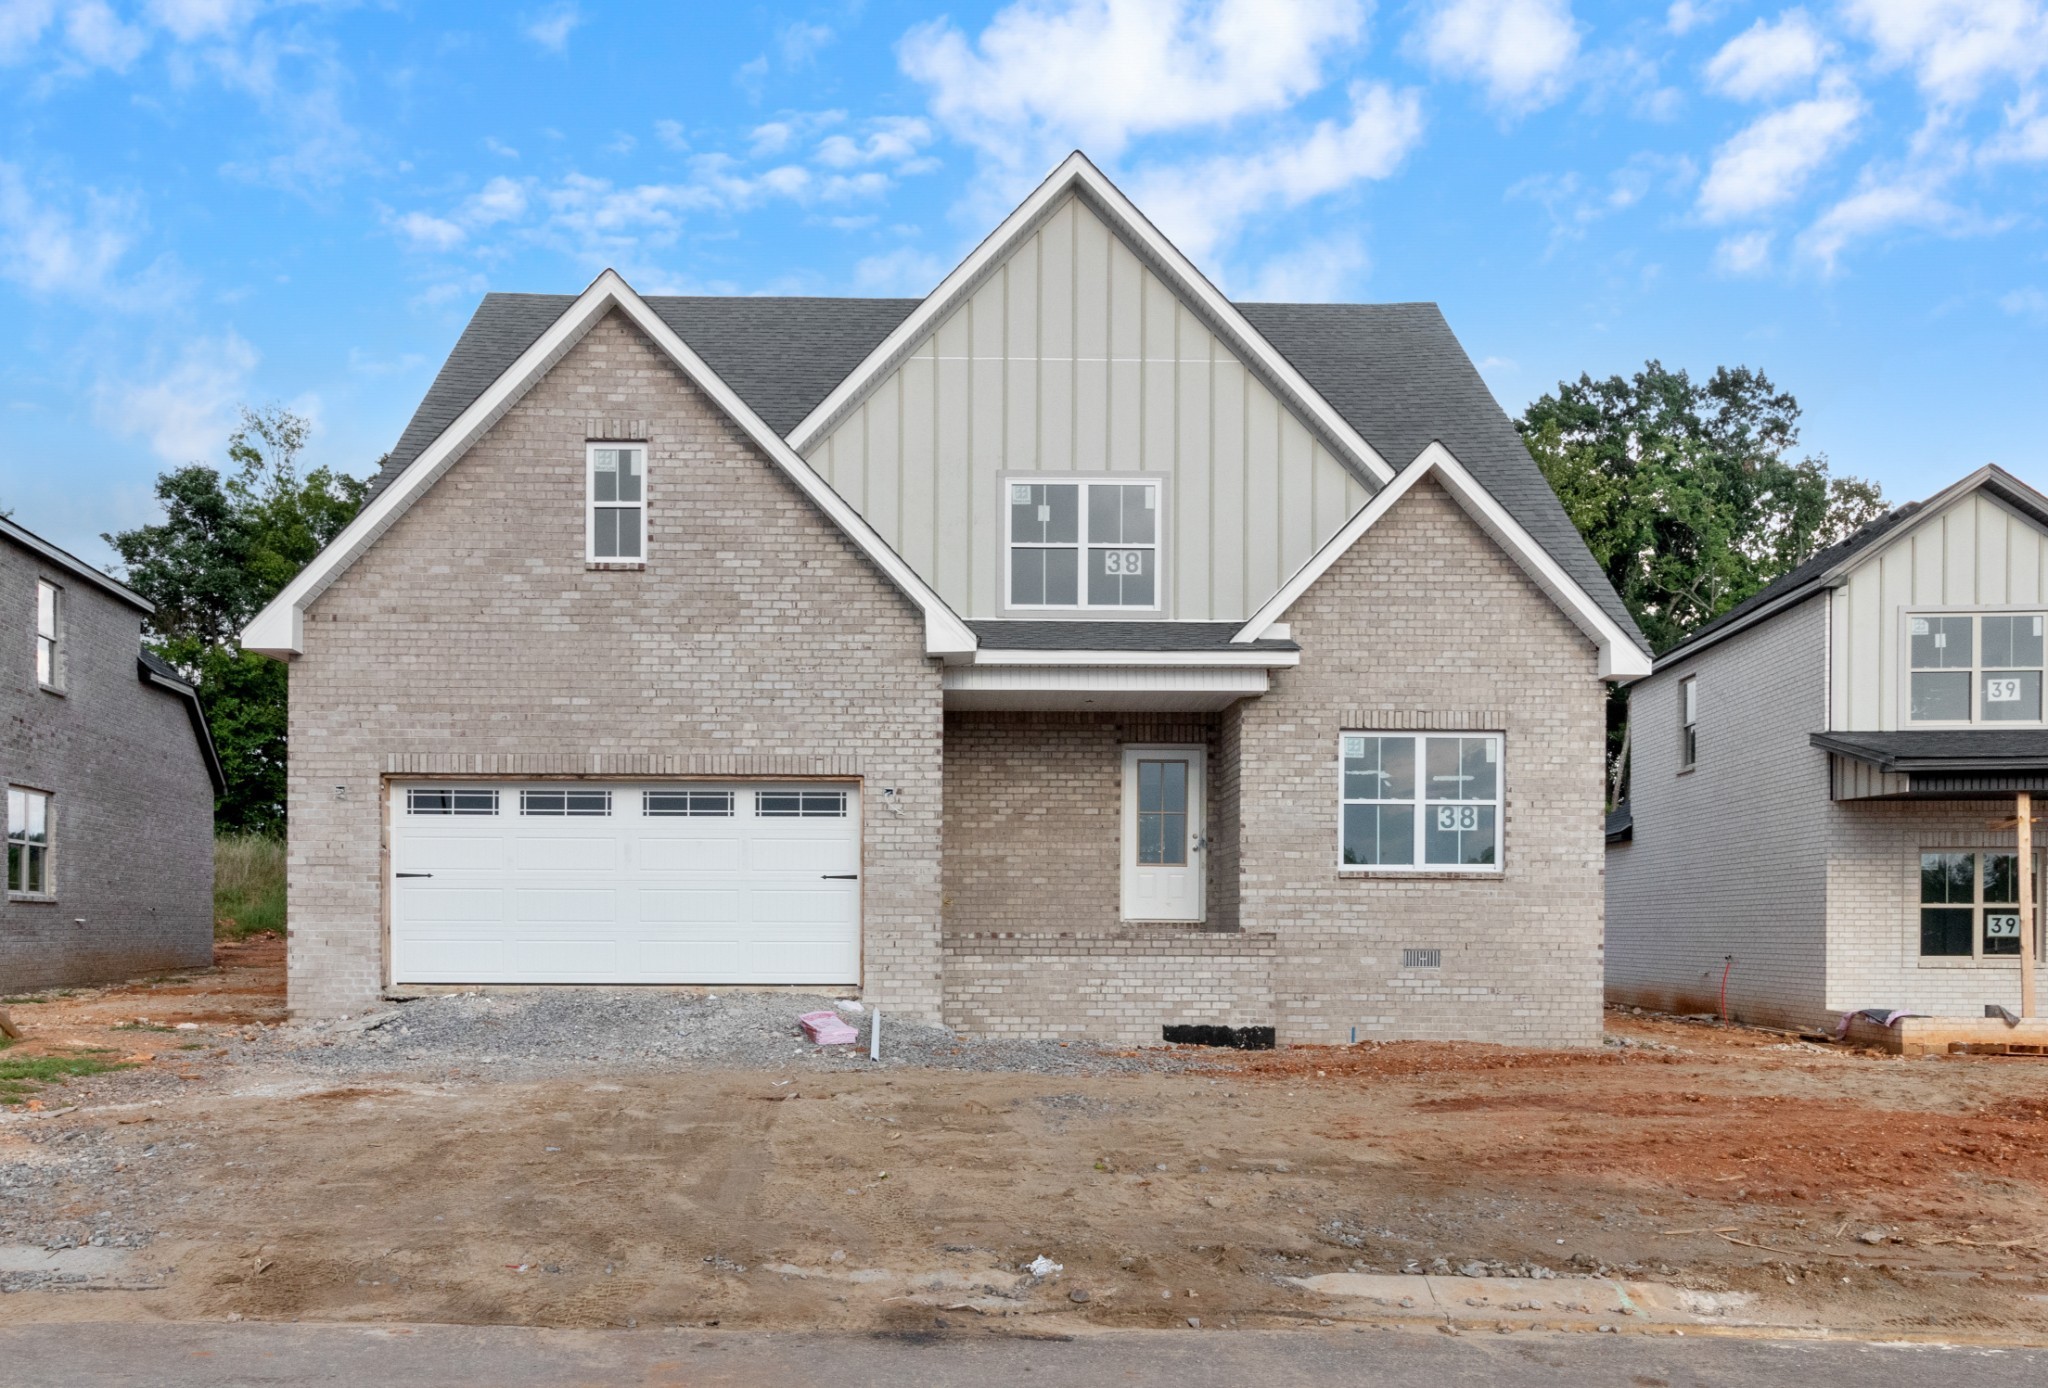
<point>278,629</point>
<point>1827,567</point>
<point>73,565</point>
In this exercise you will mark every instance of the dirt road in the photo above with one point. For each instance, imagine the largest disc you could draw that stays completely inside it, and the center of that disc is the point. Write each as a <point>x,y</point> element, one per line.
<point>1842,1189</point>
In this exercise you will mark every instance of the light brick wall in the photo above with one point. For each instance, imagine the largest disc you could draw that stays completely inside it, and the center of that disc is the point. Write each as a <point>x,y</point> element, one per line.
<point>1426,623</point>
<point>132,838</point>
<point>758,640</point>
<point>1120,986</point>
<point>1729,858</point>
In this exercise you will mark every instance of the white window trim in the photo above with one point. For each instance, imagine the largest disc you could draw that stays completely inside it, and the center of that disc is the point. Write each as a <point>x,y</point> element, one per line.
<point>1688,723</point>
<point>55,683</point>
<point>1421,802</point>
<point>49,892</point>
<point>591,505</point>
<point>1085,481</point>
<point>1906,719</point>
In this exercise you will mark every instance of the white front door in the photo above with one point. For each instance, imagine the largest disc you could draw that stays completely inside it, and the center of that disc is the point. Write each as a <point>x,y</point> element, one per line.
<point>638,882</point>
<point>1163,834</point>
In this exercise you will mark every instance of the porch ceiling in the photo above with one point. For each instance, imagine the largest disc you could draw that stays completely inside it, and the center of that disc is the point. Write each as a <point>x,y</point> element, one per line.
<point>1102,688</point>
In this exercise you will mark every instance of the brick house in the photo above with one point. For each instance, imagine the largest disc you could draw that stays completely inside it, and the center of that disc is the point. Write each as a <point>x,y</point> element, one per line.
<point>1071,652</point>
<point>1823,780</point>
<point>110,776</point>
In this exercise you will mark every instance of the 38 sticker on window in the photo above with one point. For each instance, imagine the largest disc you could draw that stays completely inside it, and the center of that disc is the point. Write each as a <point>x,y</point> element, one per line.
<point>1463,819</point>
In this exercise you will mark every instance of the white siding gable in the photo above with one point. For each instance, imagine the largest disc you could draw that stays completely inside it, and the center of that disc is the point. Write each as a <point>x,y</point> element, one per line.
<point>1974,552</point>
<point>1072,356</point>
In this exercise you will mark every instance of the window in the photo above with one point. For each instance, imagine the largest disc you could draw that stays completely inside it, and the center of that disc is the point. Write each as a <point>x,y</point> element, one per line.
<point>1688,722</point>
<point>1969,904</point>
<point>618,502</point>
<point>28,843</point>
<point>424,800</point>
<point>568,802</point>
<point>716,804</point>
<point>800,804</point>
<point>1421,802</point>
<point>1163,812</point>
<point>49,635</point>
<point>1976,667</point>
<point>1084,544</point>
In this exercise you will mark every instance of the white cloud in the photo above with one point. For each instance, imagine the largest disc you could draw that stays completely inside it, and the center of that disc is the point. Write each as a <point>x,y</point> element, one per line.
<point>1045,77</point>
<point>1746,254</point>
<point>1955,46</point>
<point>1521,51</point>
<point>1768,58</point>
<point>1770,161</point>
<point>671,134</point>
<point>2025,137</point>
<point>76,246</point>
<point>551,29</point>
<point>1316,271</point>
<point>890,139</point>
<point>1200,205</point>
<point>22,23</point>
<point>429,232</point>
<point>499,147</point>
<point>187,410</point>
<point>1684,16</point>
<point>2029,302</point>
<point>905,270</point>
<point>195,19</point>
<point>1912,200</point>
<point>800,42</point>
<point>97,35</point>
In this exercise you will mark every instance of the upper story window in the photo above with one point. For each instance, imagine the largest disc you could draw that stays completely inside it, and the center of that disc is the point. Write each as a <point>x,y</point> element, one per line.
<point>618,503</point>
<point>49,635</point>
<point>1084,544</point>
<point>28,843</point>
<point>1421,803</point>
<point>1975,667</point>
<point>1688,723</point>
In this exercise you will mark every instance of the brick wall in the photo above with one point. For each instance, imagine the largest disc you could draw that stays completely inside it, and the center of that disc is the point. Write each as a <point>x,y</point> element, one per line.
<point>1730,857</point>
<point>1427,624</point>
<point>757,640</point>
<point>132,840</point>
<point>1114,985</point>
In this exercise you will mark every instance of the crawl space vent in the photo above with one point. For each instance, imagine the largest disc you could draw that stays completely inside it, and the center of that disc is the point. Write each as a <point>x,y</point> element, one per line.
<point>1422,959</point>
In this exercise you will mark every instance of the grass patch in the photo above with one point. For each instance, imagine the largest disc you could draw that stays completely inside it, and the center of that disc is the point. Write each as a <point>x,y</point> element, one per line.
<point>248,886</point>
<point>20,1079</point>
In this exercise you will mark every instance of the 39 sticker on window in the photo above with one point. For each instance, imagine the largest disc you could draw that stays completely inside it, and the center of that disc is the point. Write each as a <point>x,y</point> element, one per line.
<point>2001,926</point>
<point>2001,691</point>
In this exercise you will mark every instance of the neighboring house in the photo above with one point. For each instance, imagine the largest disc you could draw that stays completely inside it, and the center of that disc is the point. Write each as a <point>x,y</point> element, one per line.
<point>1822,780</point>
<point>1072,652</point>
<point>111,779</point>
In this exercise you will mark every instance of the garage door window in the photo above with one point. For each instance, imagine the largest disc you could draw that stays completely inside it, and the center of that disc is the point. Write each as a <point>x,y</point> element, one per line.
<point>424,801</point>
<point>566,802</point>
<point>694,804</point>
<point>801,804</point>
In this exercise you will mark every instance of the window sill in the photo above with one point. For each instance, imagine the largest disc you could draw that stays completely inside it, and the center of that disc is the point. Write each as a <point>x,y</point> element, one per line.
<point>1688,770</point>
<point>614,565</point>
<point>1424,874</point>
<point>1969,961</point>
<point>56,689</point>
<point>33,898</point>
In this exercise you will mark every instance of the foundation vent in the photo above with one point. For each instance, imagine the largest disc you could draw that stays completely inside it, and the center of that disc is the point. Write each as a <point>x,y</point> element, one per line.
<point>1422,959</point>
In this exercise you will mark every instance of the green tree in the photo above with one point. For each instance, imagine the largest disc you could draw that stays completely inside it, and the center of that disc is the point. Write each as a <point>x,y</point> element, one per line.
<point>232,537</point>
<point>1691,495</point>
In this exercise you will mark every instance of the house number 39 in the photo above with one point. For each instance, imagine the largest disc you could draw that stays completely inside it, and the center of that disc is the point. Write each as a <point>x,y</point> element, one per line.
<point>1462,818</point>
<point>2002,691</point>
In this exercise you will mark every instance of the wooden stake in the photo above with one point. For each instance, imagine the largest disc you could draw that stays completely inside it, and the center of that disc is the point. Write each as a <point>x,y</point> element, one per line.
<point>2024,830</point>
<point>7,1026</point>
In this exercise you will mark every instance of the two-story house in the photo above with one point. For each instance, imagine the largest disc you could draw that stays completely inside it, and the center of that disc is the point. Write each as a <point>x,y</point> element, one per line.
<point>1824,780</point>
<point>110,776</point>
<point>1070,652</point>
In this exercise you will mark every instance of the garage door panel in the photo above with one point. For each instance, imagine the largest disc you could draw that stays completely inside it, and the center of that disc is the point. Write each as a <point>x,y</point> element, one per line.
<point>629,897</point>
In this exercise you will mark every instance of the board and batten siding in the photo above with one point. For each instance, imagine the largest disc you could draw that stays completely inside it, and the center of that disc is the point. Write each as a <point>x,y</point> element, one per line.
<point>1072,356</point>
<point>1975,553</point>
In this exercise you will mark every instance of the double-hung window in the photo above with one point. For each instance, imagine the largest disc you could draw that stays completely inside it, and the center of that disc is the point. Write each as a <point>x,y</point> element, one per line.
<point>1084,545</point>
<point>49,635</point>
<point>1688,723</point>
<point>618,503</point>
<point>1969,904</point>
<point>28,843</point>
<point>1975,667</point>
<point>1421,802</point>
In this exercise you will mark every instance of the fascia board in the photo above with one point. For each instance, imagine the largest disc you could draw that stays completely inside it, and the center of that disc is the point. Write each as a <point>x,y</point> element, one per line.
<point>1261,659</point>
<point>1078,171</point>
<point>1620,657</point>
<point>75,566</point>
<point>278,629</point>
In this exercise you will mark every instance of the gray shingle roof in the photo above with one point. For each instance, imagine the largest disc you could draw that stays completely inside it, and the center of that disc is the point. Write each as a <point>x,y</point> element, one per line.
<point>153,669</point>
<point>1959,749</point>
<point>1395,372</point>
<point>1010,634</point>
<point>1621,823</point>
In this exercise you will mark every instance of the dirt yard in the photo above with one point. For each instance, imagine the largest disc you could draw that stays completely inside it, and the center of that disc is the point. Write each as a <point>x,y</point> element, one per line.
<point>225,1176</point>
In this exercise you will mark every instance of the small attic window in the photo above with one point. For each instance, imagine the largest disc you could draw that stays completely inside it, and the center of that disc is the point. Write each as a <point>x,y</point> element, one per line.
<point>617,510</point>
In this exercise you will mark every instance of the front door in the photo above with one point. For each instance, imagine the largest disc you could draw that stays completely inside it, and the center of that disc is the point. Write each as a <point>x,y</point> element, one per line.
<point>1163,834</point>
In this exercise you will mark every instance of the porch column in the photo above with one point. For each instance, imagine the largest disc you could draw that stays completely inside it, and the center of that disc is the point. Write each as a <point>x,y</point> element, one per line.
<point>2025,830</point>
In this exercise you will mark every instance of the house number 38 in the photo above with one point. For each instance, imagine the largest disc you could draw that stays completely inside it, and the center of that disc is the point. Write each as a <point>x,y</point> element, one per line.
<point>1125,561</point>
<point>1462,818</point>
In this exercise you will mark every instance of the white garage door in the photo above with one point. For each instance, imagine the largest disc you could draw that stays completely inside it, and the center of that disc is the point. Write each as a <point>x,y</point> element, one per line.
<point>569,882</point>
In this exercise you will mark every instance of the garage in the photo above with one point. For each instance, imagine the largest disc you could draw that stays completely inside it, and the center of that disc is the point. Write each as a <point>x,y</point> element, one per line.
<point>575,882</point>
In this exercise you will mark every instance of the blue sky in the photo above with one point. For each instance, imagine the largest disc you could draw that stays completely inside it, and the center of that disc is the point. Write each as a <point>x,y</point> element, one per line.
<point>206,202</point>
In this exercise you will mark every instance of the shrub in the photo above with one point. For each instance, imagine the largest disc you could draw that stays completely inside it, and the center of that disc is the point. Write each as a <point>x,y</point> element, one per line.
<point>248,885</point>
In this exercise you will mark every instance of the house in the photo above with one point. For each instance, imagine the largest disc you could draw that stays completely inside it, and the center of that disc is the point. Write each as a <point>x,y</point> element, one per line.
<point>1823,781</point>
<point>111,778</point>
<point>1071,652</point>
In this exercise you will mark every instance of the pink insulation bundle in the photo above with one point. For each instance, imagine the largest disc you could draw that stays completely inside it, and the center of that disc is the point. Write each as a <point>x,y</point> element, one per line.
<point>826,1029</point>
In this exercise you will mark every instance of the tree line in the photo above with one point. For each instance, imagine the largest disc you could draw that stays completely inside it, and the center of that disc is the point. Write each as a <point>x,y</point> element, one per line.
<point>1692,495</point>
